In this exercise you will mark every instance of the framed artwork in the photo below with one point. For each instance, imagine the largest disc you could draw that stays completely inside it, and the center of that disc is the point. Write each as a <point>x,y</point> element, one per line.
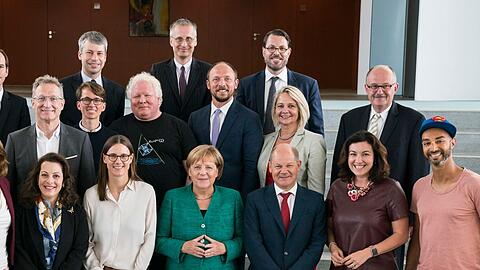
<point>148,18</point>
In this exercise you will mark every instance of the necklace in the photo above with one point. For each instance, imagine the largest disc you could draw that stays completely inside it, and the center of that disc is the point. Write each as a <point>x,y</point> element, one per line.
<point>203,199</point>
<point>355,192</point>
<point>286,139</point>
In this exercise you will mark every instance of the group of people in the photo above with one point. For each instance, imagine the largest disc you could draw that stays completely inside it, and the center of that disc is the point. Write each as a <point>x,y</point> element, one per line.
<point>208,168</point>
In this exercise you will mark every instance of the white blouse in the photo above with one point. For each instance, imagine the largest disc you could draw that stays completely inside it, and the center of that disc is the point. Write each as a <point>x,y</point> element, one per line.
<point>5,221</point>
<point>122,233</point>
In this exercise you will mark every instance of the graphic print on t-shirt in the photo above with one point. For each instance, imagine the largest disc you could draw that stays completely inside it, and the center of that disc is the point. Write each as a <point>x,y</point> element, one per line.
<point>146,154</point>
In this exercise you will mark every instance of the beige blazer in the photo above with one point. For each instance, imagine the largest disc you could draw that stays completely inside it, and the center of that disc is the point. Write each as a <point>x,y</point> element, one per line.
<point>312,152</point>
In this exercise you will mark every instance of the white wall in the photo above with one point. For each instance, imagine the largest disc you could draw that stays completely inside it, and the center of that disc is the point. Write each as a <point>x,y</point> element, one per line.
<point>448,50</point>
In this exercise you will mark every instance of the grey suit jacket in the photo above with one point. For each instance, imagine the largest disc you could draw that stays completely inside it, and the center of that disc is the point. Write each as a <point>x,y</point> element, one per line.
<point>312,151</point>
<point>74,146</point>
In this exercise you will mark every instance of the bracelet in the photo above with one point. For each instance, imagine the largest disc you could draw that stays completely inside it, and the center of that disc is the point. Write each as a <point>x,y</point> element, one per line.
<point>329,244</point>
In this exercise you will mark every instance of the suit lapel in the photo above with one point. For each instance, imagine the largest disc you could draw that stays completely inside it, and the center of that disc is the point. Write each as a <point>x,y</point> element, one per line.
<point>291,79</point>
<point>260,95</point>
<point>62,146</point>
<point>32,148</point>
<point>4,110</point>
<point>298,137</point>
<point>35,233</point>
<point>298,209</point>
<point>230,119</point>
<point>365,117</point>
<point>171,74</point>
<point>272,204</point>
<point>193,79</point>
<point>204,125</point>
<point>65,229</point>
<point>390,123</point>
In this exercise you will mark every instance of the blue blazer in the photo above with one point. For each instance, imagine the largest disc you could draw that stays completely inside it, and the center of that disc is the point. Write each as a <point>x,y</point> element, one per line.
<point>251,93</point>
<point>240,142</point>
<point>265,240</point>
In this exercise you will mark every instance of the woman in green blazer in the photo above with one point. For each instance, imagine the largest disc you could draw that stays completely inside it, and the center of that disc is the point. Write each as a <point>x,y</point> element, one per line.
<point>200,226</point>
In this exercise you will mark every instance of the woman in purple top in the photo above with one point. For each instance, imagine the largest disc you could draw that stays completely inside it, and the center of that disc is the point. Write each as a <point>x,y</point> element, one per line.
<point>367,211</point>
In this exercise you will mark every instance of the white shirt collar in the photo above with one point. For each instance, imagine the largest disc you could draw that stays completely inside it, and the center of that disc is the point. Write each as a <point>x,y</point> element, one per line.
<point>224,108</point>
<point>41,134</point>
<point>88,130</point>
<point>282,76</point>
<point>383,114</point>
<point>278,190</point>
<point>187,65</point>
<point>1,95</point>
<point>86,78</point>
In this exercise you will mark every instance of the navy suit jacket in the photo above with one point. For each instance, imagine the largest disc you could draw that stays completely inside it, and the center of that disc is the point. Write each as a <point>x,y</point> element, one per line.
<point>400,137</point>
<point>196,94</point>
<point>265,240</point>
<point>14,115</point>
<point>240,142</point>
<point>114,95</point>
<point>251,93</point>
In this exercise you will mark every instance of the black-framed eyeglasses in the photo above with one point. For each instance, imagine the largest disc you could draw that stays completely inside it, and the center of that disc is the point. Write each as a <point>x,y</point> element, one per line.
<point>113,157</point>
<point>378,86</point>
<point>52,99</point>
<point>272,49</point>
<point>87,101</point>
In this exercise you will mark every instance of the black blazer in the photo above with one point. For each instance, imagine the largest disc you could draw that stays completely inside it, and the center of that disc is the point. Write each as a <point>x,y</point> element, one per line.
<point>400,137</point>
<point>196,95</point>
<point>14,115</point>
<point>115,100</point>
<point>251,93</point>
<point>29,254</point>
<point>240,143</point>
<point>265,240</point>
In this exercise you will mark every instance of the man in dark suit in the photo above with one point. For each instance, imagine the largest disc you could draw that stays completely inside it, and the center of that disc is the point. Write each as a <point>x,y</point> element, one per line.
<point>24,147</point>
<point>232,128</point>
<point>92,53</point>
<point>257,91</point>
<point>285,225</point>
<point>14,113</point>
<point>396,125</point>
<point>182,77</point>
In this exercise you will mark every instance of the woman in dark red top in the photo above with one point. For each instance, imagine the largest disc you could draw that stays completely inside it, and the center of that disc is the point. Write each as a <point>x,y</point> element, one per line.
<point>7,217</point>
<point>367,211</point>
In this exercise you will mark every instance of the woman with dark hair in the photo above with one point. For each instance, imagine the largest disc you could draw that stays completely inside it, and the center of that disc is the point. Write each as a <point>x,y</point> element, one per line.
<point>367,210</point>
<point>52,230</point>
<point>7,217</point>
<point>121,212</point>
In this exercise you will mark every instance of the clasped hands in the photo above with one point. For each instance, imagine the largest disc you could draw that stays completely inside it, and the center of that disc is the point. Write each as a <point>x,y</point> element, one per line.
<point>197,247</point>
<point>352,261</point>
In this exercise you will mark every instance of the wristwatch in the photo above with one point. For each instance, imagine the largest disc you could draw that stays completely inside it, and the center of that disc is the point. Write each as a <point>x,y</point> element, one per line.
<point>374,251</point>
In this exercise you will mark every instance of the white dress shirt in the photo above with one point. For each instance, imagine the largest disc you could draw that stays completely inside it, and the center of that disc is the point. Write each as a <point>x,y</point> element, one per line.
<point>5,221</point>
<point>46,145</point>
<point>1,96</point>
<point>85,78</point>
<point>122,233</point>
<point>281,82</point>
<point>291,198</point>
<point>381,120</point>
<point>224,110</point>
<point>178,66</point>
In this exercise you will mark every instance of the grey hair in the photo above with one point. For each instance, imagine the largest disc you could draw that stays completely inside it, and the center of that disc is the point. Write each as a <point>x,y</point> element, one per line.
<point>385,67</point>
<point>46,79</point>
<point>144,77</point>
<point>292,148</point>
<point>94,37</point>
<point>183,21</point>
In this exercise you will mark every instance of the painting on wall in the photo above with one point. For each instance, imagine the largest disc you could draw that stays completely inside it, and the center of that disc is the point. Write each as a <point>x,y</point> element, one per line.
<point>148,18</point>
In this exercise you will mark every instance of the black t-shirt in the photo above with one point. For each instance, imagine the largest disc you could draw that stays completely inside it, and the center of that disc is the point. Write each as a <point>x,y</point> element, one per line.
<point>161,145</point>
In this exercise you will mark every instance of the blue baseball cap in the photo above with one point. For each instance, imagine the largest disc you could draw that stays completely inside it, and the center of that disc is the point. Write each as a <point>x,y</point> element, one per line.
<point>438,122</point>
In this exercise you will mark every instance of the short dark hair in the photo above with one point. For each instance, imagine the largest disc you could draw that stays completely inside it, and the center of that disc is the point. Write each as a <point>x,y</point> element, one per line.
<point>103,171</point>
<point>6,57</point>
<point>277,32</point>
<point>380,169</point>
<point>30,190</point>
<point>222,62</point>
<point>96,89</point>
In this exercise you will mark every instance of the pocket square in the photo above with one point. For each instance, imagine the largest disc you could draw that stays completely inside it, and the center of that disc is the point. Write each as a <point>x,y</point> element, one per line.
<point>70,157</point>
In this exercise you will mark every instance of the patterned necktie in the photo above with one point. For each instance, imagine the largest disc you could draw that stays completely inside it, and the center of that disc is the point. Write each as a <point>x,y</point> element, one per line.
<point>373,127</point>
<point>216,126</point>
<point>268,122</point>
<point>285,210</point>
<point>182,82</point>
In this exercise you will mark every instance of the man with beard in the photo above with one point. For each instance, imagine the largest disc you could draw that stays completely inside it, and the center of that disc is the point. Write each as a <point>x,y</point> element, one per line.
<point>446,204</point>
<point>257,91</point>
<point>232,128</point>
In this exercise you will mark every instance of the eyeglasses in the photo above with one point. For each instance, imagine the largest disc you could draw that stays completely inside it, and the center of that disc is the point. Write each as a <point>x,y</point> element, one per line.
<point>52,99</point>
<point>383,86</point>
<point>272,49</point>
<point>88,101</point>
<point>180,40</point>
<point>113,157</point>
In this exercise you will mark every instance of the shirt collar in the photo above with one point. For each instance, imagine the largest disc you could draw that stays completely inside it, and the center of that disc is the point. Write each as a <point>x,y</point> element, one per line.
<point>130,185</point>
<point>86,78</point>
<point>41,134</point>
<point>1,93</point>
<point>278,190</point>
<point>282,76</point>
<point>186,65</point>
<point>224,108</point>
<point>383,114</point>
<point>88,130</point>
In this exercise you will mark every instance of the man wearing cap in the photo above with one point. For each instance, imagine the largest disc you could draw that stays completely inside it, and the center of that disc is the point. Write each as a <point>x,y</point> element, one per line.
<point>446,204</point>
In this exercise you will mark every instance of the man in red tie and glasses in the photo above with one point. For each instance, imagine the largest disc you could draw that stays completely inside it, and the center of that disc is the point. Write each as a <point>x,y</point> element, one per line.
<point>284,222</point>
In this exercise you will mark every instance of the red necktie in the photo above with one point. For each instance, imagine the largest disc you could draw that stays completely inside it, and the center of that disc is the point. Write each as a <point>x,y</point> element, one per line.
<point>285,210</point>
